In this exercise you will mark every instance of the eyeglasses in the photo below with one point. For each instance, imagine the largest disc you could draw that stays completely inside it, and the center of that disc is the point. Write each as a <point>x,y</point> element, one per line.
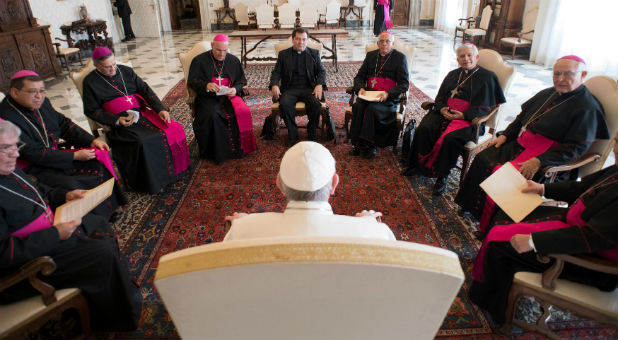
<point>8,148</point>
<point>566,74</point>
<point>382,41</point>
<point>33,92</point>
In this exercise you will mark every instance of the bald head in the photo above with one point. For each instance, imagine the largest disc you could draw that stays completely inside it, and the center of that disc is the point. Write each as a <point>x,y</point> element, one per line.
<point>568,75</point>
<point>219,49</point>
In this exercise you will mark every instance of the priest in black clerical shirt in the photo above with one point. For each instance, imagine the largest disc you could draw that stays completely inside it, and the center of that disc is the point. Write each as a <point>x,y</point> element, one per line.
<point>298,76</point>
<point>467,92</point>
<point>374,123</point>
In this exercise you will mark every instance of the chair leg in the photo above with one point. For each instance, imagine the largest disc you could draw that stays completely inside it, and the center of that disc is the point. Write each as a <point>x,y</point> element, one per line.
<point>514,49</point>
<point>465,164</point>
<point>66,62</point>
<point>79,55</point>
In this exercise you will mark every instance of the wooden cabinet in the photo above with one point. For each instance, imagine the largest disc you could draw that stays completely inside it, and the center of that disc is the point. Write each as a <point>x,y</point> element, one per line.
<point>23,43</point>
<point>505,20</point>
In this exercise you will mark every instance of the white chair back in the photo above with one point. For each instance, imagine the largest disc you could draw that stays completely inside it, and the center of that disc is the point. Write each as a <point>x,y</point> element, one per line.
<point>485,18</point>
<point>308,14</point>
<point>242,14</point>
<point>529,22</point>
<point>309,288</point>
<point>493,61</point>
<point>605,90</point>
<point>265,16</point>
<point>287,16</point>
<point>332,11</point>
<point>187,57</point>
<point>288,43</point>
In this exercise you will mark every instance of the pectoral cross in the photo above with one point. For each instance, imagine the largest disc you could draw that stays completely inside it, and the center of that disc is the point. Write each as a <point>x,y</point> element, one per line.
<point>454,91</point>
<point>129,99</point>
<point>373,83</point>
<point>522,131</point>
<point>219,79</point>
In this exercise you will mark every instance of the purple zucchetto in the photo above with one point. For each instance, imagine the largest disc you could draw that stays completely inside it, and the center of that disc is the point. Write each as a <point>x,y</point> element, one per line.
<point>100,52</point>
<point>24,73</point>
<point>573,57</point>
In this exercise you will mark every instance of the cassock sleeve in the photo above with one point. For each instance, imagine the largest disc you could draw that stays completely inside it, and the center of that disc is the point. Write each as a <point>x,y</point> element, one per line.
<point>36,153</point>
<point>240,80</point>
<point>15,251</point>
<point>275,76</point>
<point>486,98</point>
<point>145,91</point>
<point>71,132</point>
<point>319,69</point>
<point>571,190</point>
<point>443,92</point>
<point>93,109</point>
<point>360,80</point>
<point>401,77</point>
<point>199,77</point>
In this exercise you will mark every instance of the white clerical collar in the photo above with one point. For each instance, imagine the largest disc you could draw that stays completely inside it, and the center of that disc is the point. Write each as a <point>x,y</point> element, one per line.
<point>314,207</point>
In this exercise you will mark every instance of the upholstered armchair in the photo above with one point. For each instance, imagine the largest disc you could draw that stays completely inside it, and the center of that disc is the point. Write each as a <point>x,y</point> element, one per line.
<point>578,298</point>
<point>605,89</point>
<point>309,288</point>
<point>23,317</point>
<point>185,61</point>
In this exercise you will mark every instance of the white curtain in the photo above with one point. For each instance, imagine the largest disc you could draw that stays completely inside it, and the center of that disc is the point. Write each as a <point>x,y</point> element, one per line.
<point>447,12</point>
<point>584,28</point>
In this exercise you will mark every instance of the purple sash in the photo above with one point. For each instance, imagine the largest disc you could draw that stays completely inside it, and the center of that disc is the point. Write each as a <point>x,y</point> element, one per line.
<point>505,232</point>
<point>39,223</point>
<point>453,103</point>
<point>243,118</point>
<point>174,132</point>
<point>380,83</point>
<point>387,17</point>
<point>103,157</point>
<point>534,145</point>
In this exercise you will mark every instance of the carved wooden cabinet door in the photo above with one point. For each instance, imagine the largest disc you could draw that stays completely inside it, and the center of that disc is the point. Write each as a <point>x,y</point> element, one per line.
<point>14,15</point>
<point>10,61</point>
<point>35,52</point>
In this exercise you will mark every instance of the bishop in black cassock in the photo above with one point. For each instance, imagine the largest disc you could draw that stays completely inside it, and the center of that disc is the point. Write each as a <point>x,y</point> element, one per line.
<point>86,254</point>
<point>148,147</point>
<point>222,124</point>
<point>374,123</point>
<point>556,126</point>
<point>467,92</point>
<point>42,128</point>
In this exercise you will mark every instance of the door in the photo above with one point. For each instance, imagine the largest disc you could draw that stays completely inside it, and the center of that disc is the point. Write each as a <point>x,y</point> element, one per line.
<point>400,13</point>
<point>185,14</point>
<point>145,18</point>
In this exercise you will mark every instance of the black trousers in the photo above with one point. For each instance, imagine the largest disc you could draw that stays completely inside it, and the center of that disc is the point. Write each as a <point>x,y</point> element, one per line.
<point>126,25</point>
<point>287,106</point>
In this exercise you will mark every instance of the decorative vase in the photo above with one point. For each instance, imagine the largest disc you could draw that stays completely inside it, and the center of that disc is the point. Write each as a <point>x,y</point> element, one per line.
<point>83,12</point>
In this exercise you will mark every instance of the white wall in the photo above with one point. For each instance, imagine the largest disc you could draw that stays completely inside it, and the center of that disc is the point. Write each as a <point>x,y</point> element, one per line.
<point>57,13</point>
<point>428,7</point>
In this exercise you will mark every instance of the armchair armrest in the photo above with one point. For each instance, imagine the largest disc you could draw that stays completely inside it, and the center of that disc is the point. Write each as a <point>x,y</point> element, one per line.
<point>552,171</point>
<point>521,34</point>
<point>45,265</point>
<point>476,123</point>
<point>586,261</point>
<point>69,41</point>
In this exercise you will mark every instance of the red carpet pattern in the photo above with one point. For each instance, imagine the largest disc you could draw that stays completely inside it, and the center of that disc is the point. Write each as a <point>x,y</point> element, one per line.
<point>191,212</point>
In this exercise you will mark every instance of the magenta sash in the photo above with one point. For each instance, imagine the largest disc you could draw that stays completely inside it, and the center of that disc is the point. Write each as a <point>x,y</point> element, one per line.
<point>174,132</point>
<point>103,157</point>
<point>505,232</point>
<point>534,145</point>
<point>380,83</point>
<point>452,103</point>
<point>39,223</point>
<point>243,118</point>
<point>387,17</point>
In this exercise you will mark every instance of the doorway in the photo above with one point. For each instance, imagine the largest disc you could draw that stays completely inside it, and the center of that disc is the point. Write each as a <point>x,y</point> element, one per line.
<point>185,14</point>
<point>400,12</point>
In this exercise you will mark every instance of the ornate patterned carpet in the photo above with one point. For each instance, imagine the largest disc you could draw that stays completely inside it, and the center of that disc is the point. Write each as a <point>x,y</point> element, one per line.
<point>191,212</point>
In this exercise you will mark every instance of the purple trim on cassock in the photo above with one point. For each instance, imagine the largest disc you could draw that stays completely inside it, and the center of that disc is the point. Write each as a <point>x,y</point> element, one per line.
<point>103,157</point>
<point>243,118</point>
<point>452,103</point>
<point>534,145</point>
<point>40,223</point>
<point>176,138</point>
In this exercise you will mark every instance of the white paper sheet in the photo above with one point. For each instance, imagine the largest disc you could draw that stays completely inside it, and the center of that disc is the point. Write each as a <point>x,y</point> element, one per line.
<point>76,209</point>
<point>370,96</point>
<point>504,187</point>
<point>223,90</point>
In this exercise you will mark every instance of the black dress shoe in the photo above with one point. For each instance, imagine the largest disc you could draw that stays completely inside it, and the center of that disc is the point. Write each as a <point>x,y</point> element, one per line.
<point>370,152</point>
<point>440,187</point>
<point>356,151</point>
<point>409,171</point>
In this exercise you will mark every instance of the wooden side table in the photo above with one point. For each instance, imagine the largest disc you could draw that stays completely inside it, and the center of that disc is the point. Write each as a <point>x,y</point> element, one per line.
<point>223,12</point>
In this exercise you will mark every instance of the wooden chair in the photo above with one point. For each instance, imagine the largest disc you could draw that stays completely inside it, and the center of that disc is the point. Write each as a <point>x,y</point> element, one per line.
<point>98,129</point>
<point>483,25</point>
<point>265,16</point>
<point>605,89</point>
<point>66,53</point>
<point>583,300</point>
<point>524,38</point>
<point>28,315</point>
<point>464,24</point>
<point>300,106</point>
<point>409,52</point>
<point>332,14</point>
<point>309,288</point>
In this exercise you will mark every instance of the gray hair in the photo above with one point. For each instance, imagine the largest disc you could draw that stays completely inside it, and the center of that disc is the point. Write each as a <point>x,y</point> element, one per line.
<point>321,194</point>
<point>8,128</point>
<point>467,46</point>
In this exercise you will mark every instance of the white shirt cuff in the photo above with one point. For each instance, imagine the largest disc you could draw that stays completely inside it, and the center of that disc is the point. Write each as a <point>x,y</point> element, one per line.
<point>531,243</point>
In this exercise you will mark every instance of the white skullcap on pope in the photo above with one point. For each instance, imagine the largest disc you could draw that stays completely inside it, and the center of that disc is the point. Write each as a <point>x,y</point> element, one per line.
<point>307,166</point>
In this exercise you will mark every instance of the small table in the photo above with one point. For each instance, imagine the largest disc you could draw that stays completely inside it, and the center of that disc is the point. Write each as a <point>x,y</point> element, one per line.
<point>265,35</point>
<point>223,12</point>
<point>357,11</point>
<point>96,30</point>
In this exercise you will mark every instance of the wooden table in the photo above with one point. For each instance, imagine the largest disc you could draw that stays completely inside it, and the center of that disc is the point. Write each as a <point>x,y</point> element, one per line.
<point>278,34</point>
<point>357,11</point>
